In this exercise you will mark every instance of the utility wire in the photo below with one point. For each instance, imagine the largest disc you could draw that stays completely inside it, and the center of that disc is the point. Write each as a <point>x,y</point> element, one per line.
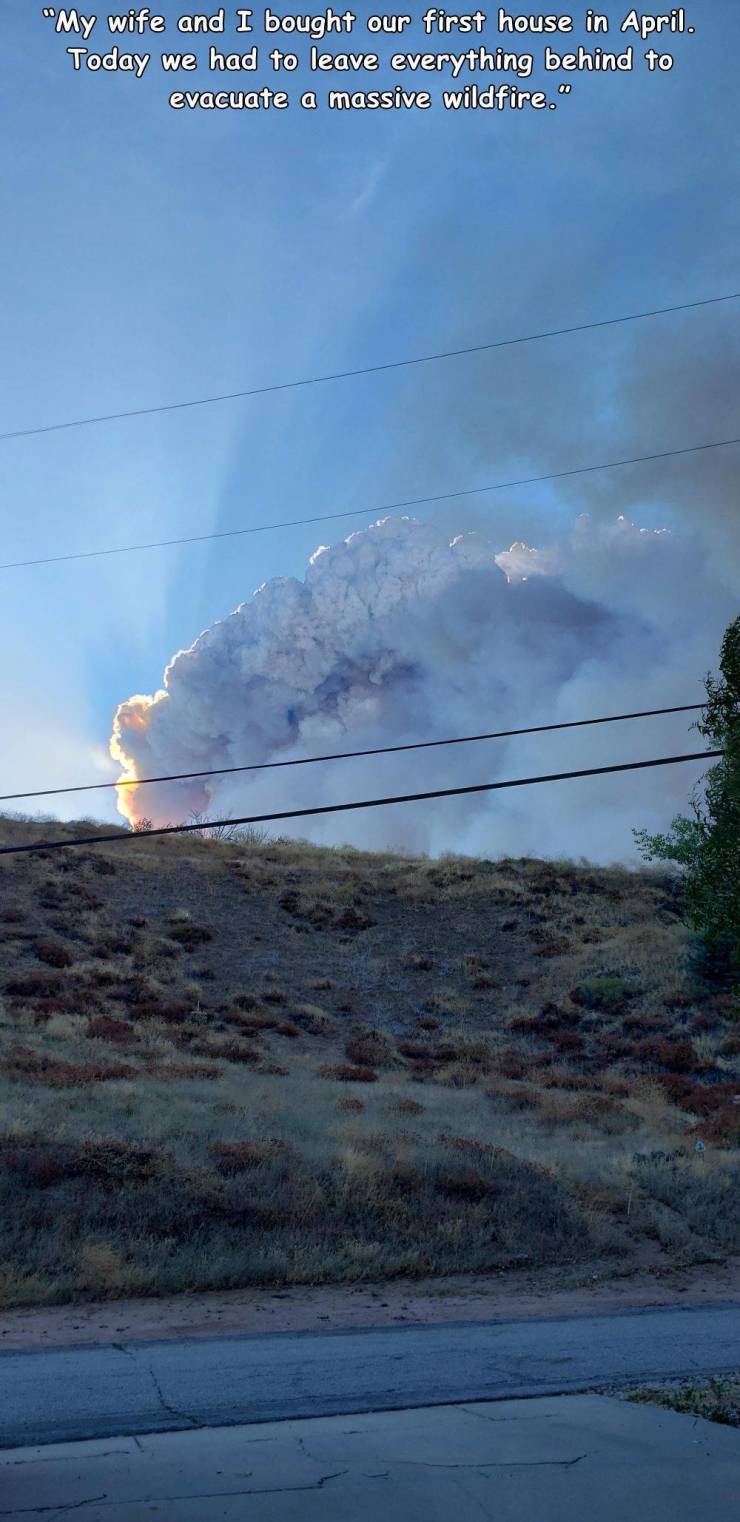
<point>364,803</point>
<point>345,755</point>
<point>361,512</point>
<point>395,364</point>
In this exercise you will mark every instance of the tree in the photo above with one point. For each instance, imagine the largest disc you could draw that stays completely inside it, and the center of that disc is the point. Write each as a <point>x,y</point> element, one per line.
<point>707,845</point>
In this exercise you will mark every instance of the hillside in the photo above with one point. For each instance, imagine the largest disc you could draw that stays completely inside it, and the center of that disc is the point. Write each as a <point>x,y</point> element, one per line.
<point>241,1061</point>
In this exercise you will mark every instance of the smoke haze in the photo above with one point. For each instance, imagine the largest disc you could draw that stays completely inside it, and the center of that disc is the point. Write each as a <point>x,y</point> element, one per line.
<point>400,634</point>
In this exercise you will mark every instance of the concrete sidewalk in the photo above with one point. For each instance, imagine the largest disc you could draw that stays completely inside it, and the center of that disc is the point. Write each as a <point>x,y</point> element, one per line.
<point>558,1459</point>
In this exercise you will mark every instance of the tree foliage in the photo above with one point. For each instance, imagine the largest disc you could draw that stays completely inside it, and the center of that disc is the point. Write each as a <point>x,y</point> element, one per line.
<point>707,844</point>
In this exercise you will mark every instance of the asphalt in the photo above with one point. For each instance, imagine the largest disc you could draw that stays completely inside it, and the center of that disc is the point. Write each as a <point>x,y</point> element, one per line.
<point>566,1459</point>
<point>76,1393</point>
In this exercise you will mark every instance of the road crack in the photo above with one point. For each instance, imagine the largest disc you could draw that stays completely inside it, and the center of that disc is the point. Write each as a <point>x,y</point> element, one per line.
<point>216,1495</point>
<point>471,1411</point>
<point>182,1416</point>
<point>59,1508</point>
<point>500,1464</point>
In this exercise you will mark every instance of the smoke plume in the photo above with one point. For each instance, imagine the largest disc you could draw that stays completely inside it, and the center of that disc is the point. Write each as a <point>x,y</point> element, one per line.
<point>398,634</point>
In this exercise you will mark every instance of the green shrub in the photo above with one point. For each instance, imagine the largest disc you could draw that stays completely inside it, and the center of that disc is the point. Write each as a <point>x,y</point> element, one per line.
<point>607,994</point>
<point>707,845</point>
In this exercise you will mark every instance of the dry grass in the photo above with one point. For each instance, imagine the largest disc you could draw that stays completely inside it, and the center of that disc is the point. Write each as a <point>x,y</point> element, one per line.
<point>507,1063</point>
<point>713,1399</point>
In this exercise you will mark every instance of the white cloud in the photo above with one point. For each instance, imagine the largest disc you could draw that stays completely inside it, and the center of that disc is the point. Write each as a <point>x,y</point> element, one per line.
<point>399,634</point>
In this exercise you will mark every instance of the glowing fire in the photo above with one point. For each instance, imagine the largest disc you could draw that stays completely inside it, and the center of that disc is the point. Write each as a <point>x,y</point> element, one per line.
<point>132,716</point>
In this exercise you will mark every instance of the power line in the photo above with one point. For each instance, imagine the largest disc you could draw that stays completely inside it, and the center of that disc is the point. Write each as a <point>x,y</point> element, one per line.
<point>346,755</point>
<point>361,512</point>
<point>395,364</point>
<point>364,803</point>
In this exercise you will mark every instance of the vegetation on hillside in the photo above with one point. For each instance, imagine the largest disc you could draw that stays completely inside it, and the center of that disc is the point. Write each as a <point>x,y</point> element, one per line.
<point>225,1063</point>
<point>707,844</point>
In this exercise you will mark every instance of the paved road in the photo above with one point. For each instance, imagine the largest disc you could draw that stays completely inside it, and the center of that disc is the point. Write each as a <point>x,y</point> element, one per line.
<point>74,1393</point>
<point>566,1459</point>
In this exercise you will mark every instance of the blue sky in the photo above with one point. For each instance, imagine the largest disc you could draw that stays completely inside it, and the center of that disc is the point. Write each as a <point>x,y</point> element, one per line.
<point>150,256</point>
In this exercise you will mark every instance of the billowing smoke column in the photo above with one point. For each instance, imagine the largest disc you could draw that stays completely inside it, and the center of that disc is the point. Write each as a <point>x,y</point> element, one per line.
<point>399,634</point>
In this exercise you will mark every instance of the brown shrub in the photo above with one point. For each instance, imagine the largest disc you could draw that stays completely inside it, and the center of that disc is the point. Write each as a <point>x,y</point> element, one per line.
<point>350,1104</point>
<point>428,1053</point>
<point>256,1021</point>
<point>611,1083</point>
<point>511,1064</point>
<point>320,915</point>
<point>561,1077</point>
<point>524,1097</point>
<point>721,1128</point>
<point>111,1157</point>
<point>678,1056</point>
<point>702,1023</point>
<point>465,1144</point>
<point>172,1072</point>
<point>238,1157</point>
<point>409,1107</point>
<point>414,1049</point>
<point>100,865</point>
<point>568,1043</point>
<point>189,936</point>
<point>678,1088</point>
<point>557,947</point>
<point>368,1047</point>
<point>311,1019</point>
<point>106,1028</point>
<point>552,1017</point>
<point>599,1198</point>
<point>35,985</point>
<point>345,1072</point>
<point>53,954</point>
<point>404,1179</point>
<point>677,998</point>
<point>525,1025</point>
<point>171,1011</point>
<point>648,1024</point>
<point>22,1063</point>
<point>224,1051</point>
<point>597,1110</point>
<point>106,947</point>
<point>354,919</point>
<point>44,1162</point>
<point>713,1103</point>
<point>418,962</point>
<point>612,1047</point>
<point>463,1184</point>
<point>43,1009</point>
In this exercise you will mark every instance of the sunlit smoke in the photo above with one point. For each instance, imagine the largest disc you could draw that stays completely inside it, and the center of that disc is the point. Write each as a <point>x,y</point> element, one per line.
<point>398,634</point>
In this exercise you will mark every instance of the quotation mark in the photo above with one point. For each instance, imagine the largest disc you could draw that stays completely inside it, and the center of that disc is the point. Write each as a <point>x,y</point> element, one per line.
<point>562,90</point>
<point>49,11</point>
